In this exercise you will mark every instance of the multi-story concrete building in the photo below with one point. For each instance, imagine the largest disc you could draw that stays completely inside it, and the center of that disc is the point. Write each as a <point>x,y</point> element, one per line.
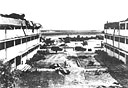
<point>19,39</point>
<point>116,39</point>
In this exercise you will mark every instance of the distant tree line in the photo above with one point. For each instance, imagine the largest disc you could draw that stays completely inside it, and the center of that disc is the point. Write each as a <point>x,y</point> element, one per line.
<point>78,38</point>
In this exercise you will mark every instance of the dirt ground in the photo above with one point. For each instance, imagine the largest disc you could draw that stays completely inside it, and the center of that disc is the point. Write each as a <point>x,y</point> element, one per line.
<point>118,71</point>
<point>78,77</point>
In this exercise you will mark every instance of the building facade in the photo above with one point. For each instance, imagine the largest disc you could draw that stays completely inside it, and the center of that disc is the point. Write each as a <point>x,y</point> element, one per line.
<point>19,39</point>
<point>116,40</point>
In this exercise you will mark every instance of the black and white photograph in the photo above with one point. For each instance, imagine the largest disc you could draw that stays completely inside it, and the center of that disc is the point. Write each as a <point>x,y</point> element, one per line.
<point>63,44</point>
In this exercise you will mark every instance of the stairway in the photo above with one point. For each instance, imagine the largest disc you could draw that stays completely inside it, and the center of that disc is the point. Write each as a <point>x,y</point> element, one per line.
<point>23,67</point>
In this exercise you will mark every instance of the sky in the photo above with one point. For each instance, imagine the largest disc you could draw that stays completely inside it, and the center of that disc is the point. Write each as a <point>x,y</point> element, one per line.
<point>68,14</point>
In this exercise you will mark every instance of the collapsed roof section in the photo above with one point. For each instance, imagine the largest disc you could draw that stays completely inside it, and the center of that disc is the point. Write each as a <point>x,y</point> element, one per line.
<point>13,15</point>
<point>17,20</point>
<point>112,25</point>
